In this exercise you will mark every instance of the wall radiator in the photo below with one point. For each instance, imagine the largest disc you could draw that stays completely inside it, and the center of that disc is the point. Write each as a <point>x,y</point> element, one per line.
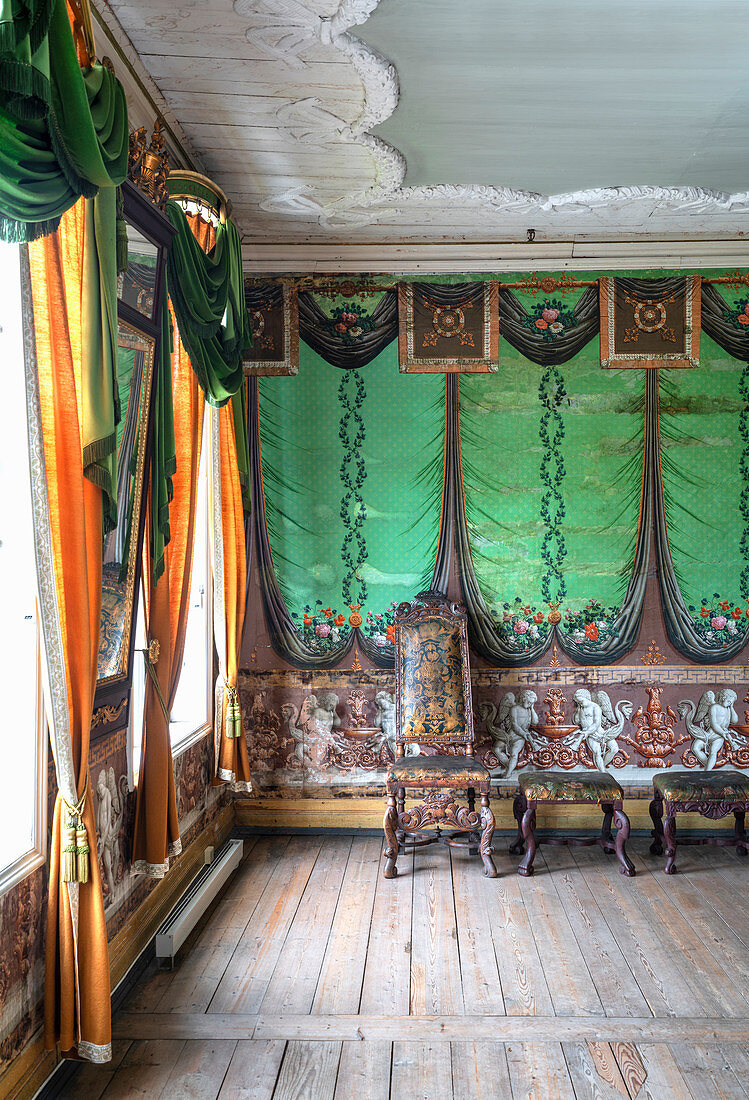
<point>196,899</point>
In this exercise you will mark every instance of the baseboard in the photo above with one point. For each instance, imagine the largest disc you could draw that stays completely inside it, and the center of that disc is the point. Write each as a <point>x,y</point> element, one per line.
<point>366,814</point>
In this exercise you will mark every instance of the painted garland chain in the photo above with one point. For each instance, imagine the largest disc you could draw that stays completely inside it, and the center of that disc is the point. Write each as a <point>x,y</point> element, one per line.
<point>353,512</point>
<point>551,394</point>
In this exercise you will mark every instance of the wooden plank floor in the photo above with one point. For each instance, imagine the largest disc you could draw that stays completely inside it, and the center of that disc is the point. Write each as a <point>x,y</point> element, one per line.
<point>314,977</point>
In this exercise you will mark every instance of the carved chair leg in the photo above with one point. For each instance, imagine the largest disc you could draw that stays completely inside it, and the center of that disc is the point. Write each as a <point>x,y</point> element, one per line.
<point>622,835</point>
<point>669,833</point>
<point>487,832</point>
<point>739,832</point>
<point>656,816</point>
<point>527,825</point>
<point>471,798</point>
<point>391,851</point>
<point>518,808</point>
<point>401,805</point>
<point>606,835</point>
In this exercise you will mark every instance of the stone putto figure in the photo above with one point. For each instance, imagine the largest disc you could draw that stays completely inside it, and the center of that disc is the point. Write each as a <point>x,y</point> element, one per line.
<point>109,816</point>
<point>710,724</point>
<point>599,724</point>
<point>511,726</point>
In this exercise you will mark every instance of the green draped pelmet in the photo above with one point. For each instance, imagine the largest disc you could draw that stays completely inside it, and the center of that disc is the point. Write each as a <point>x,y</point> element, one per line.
<point>63,131</point>
<point>207,292</point>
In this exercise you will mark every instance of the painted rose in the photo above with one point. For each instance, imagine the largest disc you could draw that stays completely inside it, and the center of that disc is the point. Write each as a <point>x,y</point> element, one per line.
<point>379,640</point>
<point>556,327</point>
<point>743,319</point>
<point>731,627</point>
<point>340,327</point>
<point>354,331</point>
<point>335,634</point>
<point>322,630</point>
<point>578,636</point>
<point>540,323</point>
<point>349,318</point>
<point>533,631</point>
<point>718,622</point>
<point>591,632</point>
<point>602,625</point>
<point>520,627</point>
<point>549,314</point>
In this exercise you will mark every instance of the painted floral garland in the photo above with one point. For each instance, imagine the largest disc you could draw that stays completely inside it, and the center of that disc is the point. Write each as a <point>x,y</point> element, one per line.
<point>550,319</point>
<point>353,512</point>
<point>718,621</point>
<point>551,394</point>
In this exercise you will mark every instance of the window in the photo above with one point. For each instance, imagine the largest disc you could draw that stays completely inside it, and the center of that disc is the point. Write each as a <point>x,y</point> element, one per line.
<point>23,774</point>
<point>191,712</point>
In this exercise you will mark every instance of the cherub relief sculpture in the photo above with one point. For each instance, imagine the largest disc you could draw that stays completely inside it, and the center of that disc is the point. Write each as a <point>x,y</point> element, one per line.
<point>599,724</point>
<point>314,723</point>
<point>709,726</point>
<point>511,727</point>
<point>109,816</point>
<point>385,717</point>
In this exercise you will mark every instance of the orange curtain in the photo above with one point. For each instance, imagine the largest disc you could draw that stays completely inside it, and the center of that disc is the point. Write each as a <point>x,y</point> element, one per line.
<point>230,581</point>
<point>77,1005</point>
<point>156,836</point>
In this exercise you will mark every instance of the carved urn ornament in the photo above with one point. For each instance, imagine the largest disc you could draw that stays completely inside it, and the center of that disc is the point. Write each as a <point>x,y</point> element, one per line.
<point>148,168</point>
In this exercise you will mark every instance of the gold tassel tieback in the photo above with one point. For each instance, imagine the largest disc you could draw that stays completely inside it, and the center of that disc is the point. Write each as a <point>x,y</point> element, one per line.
<point>233,713</point>
<point>75,846</point>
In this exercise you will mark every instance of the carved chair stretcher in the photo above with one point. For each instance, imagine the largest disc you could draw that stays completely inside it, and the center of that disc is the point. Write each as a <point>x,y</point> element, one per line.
<point>434,712</point>
<point>711,794</point>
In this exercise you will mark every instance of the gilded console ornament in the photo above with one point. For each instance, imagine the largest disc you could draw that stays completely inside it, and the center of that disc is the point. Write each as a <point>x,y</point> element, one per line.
<point>654,738</point>
<point>148,168</point>
<point>108,714</point>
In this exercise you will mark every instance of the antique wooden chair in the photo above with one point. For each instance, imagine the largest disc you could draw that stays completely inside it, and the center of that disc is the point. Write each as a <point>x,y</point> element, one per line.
<point>433,711</point>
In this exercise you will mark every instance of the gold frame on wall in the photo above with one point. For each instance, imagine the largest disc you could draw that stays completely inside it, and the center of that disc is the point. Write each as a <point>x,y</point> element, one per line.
<point>130,337</point>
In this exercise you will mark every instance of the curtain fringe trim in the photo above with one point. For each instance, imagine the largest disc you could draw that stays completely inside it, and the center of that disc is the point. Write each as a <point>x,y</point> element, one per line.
<point>19,232</point>
<point>18,79</point>
<point>95,1052</point>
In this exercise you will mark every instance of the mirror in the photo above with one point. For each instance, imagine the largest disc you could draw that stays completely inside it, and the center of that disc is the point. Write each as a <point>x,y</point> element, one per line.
<point>134,372</point>
<point>136,287</point>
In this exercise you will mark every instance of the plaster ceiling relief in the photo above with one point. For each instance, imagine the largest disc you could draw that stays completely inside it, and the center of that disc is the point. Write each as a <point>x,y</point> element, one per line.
<point>387,121</point>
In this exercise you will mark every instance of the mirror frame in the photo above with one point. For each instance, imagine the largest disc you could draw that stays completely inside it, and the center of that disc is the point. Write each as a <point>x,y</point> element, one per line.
<point>111,700</point>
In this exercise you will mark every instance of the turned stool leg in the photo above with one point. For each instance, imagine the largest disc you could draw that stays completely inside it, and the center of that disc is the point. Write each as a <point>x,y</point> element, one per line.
<point>622,835</point>
<point>527,825</point>
<point>607,837</point>
<point>401,805</point>
<point>656,816</point>
<point>518,808</point>
<point>391,851</point>
<point>471,797</point>
<point>669,833</point>
<point>487,832</point>
<point>739,832</point>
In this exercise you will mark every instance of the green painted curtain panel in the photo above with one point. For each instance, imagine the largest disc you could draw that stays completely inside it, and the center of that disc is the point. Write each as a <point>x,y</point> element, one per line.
<point>63,130</point>
<point>207,293</point>
<point>352,473</point>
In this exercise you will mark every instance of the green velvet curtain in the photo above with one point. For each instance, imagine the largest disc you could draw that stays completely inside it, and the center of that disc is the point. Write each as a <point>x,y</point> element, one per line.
<point>163,454</point>
<point>207,293</point>
<point>63,130</point>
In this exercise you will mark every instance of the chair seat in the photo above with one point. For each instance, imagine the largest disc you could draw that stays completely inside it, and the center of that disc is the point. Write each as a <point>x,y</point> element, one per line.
<point>569,787</point>
<point>717,786</point>
<point>420,770</point>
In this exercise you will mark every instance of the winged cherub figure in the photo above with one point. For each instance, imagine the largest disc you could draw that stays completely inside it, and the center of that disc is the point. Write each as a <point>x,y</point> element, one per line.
<point>710,724</point>
<point>600,725</point>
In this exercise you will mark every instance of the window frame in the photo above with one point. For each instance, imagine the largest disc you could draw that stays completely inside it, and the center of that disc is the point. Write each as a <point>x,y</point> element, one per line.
<point>35,856</point>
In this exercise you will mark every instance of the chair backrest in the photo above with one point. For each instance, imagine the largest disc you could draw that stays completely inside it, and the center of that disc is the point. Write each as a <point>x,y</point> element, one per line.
<point>432,674</point>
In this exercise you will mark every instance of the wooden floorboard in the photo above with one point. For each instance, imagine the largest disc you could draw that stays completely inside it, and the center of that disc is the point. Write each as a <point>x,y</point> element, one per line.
<point>314,978</point>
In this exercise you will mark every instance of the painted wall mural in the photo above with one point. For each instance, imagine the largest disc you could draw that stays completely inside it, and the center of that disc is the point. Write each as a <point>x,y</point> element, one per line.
<point>594,521</point>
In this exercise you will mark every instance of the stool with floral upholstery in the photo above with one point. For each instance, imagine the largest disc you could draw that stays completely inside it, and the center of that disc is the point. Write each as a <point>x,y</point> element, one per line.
<point>712,794</point>
<point>586,788</point>
<point>434,712</point>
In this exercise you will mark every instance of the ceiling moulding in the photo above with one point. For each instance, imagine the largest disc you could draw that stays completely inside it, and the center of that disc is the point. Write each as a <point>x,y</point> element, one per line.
<point>290,27</point>
<point>488,258</point>
<point>144,100</point>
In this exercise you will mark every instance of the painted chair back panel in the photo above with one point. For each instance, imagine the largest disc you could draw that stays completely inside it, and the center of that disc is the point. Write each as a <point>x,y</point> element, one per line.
<point>433,687</point>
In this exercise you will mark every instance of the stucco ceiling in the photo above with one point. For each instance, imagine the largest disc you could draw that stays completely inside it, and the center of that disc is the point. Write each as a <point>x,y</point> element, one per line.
<point>358,123</point>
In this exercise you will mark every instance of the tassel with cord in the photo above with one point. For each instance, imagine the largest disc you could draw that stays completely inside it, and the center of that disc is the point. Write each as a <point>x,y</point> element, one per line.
<point>75,846</point>
<point>233,713</point>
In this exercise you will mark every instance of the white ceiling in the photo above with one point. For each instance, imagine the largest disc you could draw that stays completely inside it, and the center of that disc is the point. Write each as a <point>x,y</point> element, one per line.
<point>587,121</point>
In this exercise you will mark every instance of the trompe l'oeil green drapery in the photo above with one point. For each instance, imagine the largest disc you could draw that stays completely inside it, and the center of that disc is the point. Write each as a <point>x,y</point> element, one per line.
<point>63,130</point>
<point>207,293</point>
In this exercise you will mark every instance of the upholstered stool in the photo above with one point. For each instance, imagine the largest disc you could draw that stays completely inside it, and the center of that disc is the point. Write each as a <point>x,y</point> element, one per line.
<point>587,788</point>
<point>712,794</point>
